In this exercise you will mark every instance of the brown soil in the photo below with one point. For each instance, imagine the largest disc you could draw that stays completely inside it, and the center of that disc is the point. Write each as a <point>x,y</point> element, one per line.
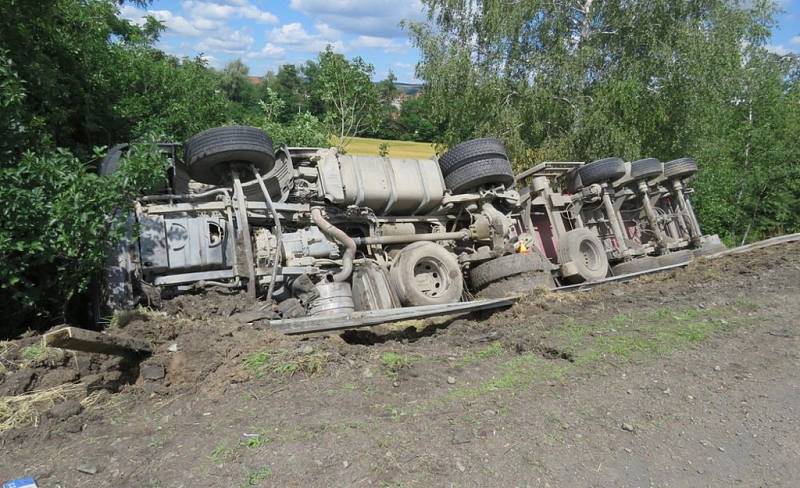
<point>686,378</point>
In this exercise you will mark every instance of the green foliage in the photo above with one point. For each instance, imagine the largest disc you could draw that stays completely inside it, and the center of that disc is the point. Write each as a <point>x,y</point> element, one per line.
<point>59,220</point>
<point>585,80</point>
<point>393,362</point>
<point>350,97</point>
<point>302,129</point>
<point>289,87</point>
<point>187,98</point>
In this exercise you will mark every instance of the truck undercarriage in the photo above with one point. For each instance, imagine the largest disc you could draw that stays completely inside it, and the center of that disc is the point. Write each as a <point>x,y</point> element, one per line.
<point>314,233</point>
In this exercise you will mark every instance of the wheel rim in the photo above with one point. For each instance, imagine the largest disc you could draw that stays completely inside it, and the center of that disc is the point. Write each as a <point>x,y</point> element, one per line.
<point>430,277</point>
<point>589,254</point>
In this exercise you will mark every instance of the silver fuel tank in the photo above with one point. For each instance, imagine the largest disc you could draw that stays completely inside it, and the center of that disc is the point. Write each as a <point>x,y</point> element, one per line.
<point>387,186</point>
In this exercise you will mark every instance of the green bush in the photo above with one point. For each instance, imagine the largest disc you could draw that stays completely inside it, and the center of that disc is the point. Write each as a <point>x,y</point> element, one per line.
<point>58,220</point>
<point>303,130</point>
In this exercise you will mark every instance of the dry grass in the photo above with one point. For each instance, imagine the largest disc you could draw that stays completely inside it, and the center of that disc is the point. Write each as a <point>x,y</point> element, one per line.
<point>397,149</point>
<point>26,409</point>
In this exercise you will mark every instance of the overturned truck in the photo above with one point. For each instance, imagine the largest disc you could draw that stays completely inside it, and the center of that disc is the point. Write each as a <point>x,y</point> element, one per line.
<point>319,233</point>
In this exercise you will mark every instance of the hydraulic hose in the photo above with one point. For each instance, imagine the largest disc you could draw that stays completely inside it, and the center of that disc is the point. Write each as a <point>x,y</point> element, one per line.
<point>337,234</point>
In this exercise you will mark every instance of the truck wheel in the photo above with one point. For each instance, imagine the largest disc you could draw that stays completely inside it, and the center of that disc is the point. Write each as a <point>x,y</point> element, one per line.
<point>425,273</point>
<point>645,169</point>
<point>680,168</point>
<point>208,154</point>
<point>503,267</point>
<point>479,173</point>
<point>676,257</point>
<point>600,171</point>
<point>582,256</point>
<point>470,151</point>
<point>639,264</point>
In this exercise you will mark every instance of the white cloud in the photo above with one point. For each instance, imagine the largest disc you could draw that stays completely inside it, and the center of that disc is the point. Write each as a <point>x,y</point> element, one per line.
<point>379,18</point>
<point>383,43</point>
<point>235,42</point>
<point>778,49</point>
<point>269,50</point>
<point>795,40</point>
<point>175,23</point>
<point>294,35</point>
<point>254,13</point>
<point>235,8</point>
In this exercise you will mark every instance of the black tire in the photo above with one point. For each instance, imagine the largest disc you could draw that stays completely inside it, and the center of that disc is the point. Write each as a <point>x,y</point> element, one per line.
<point>208,154</point>
<point>676,257</point>
<point>503,267</point>
<point>425,273</point>
<point>680,168</point>
<point>582,256</point>
<point>110,162</point>
<point>518,284</point>
<point>600,171</point>
<point>645,169</point>
<point>470,151</point>
<point>639,264</point>
<point>480,173</point>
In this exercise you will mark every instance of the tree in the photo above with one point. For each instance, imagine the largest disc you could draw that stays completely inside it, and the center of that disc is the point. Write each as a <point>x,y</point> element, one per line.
<point>350,98</point>
<point>236,84</point>
<point>291,88</point>
<point>582,79</point>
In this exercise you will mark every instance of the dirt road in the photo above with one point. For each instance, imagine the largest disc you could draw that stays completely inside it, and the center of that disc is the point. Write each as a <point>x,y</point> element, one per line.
<point>688,378</point>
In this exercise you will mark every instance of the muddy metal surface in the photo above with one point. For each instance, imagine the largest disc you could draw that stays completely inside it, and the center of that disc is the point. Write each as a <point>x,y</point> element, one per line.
<point>687,378</point>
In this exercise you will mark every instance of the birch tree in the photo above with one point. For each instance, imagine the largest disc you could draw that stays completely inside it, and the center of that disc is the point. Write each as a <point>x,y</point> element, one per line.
<point>351,99</point>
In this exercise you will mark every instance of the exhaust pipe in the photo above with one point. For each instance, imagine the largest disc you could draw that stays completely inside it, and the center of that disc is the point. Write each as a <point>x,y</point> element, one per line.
<point>337,234</point>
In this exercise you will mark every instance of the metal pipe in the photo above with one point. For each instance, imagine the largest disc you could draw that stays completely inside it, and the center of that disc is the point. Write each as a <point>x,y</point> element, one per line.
<point>278,232</point>
<point>333,232</point>
<point>244,233</point>
<point>404,239</point>
<point>198,196</point>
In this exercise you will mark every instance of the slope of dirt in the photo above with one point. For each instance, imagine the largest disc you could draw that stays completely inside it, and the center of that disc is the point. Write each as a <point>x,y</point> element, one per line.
<point>687,378</point>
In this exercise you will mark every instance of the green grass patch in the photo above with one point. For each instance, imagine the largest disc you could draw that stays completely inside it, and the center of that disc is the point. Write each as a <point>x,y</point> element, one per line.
<point>393,362</point>
<point>620,339</point>
<point>284,363</point>
<point>38,354</point>
<point>494,349</point>
<point>254,478</point>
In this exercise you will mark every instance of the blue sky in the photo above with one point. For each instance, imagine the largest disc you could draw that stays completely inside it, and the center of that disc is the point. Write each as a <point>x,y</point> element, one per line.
<point>266,34</point>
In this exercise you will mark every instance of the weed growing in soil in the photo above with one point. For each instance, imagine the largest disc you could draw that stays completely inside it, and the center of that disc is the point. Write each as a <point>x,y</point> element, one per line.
<point>393,362</point>
<point>256,441</point>
<point>256,477</point>
<point>492,350</point>
<point>284,363</point>
<point>40,354</point>
<point>221,453</point>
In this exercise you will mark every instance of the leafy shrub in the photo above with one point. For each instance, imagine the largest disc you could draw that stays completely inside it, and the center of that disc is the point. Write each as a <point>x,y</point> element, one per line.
<point>303,130</point>
<point>58,222</point>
